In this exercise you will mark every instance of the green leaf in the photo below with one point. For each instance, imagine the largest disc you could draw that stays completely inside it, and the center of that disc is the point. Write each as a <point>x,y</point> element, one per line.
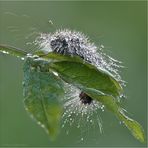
<point>111,104</point>
<point>135,128</point>
<point>99,85</point>
<point>42,91</point>
<point>82,75</point>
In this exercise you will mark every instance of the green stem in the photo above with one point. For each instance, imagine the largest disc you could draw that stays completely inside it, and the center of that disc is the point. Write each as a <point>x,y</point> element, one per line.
<point>12,50</point>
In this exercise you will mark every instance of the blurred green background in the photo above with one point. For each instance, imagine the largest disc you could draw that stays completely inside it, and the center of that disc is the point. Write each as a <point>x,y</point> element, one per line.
<point>119,26</point>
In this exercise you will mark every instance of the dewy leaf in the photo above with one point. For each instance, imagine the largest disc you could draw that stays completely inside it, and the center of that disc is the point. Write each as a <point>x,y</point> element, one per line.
<point>42,91</point>
<point>98,85</point>
<point>88,76</point>
<point>135,128</point>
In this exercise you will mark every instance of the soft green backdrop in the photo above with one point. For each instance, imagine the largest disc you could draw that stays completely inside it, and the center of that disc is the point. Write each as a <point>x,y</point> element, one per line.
<point>119,26</point>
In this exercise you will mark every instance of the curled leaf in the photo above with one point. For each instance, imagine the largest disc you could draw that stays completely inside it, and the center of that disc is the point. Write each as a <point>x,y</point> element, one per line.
<point>74,69</point>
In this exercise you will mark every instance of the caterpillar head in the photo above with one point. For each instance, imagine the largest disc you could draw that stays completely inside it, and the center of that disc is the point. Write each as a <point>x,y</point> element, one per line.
<point>85,99</point>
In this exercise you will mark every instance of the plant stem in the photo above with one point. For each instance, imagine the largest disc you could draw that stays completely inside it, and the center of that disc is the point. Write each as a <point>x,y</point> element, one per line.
<point>12,50</point>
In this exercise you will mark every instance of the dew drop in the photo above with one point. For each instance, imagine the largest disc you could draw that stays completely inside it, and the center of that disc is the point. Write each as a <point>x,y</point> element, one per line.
<point>55,73</point>
<point>42,126</point>
<point>91,121</point>
<point>5,52</point>
<point>22,58</point>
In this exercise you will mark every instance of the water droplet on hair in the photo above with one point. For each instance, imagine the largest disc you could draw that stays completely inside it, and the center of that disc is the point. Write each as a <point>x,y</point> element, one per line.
<point>23,58</point>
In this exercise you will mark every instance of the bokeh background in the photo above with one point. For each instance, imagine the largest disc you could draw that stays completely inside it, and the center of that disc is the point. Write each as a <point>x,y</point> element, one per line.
<point>119,25</point>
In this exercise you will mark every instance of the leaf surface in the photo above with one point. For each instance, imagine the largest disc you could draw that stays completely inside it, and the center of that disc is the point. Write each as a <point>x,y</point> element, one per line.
<point>42,91</point>
<point>100,86</point>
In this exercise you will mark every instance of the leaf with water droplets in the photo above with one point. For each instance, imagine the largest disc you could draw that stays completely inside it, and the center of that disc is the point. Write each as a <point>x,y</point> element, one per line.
<point>42,91</point>
<point>99,85</point>
<point>74,69</point>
